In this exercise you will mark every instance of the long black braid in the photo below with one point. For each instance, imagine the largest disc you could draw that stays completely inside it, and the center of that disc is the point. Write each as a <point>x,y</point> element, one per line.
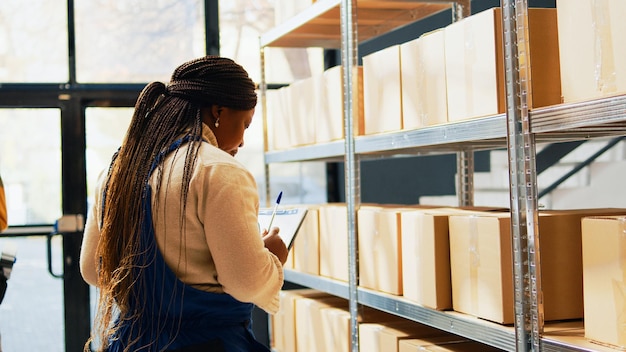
<point>162,115</point>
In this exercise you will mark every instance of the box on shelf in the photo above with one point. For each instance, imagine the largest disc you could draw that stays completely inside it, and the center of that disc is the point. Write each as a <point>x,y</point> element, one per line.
<point>284,322</point>
<point>426,254</point>
<point>336,323</point>
<point>592,50</point>
<point>380,256</point>
<point>310,323</point>
<point>423,76</point>
<point>475,65</point>
<point>306,247</point>
<point>290,262</point>
<point>305,100</point>
<point>445,344</point>
<point>382,91</point>
<point>426,258</point>
<point>604,279</point>
<point>278,110</point>
<point>336,329</point>
<point>330,122</point>
<point>482,265</point>
<point>385,336</point>
<point>333,219</point>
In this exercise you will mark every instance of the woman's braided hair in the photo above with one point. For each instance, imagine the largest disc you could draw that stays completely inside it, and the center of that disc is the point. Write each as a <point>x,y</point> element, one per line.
<point>163,114</point>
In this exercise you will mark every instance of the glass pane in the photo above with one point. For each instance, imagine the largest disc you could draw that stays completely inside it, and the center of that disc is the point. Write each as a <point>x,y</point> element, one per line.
<point>241,24</point>
<point>33,41</point>
<point>105,129</point>
<point>32,309</point>
<point>136,41</point>
<point>30,163</point>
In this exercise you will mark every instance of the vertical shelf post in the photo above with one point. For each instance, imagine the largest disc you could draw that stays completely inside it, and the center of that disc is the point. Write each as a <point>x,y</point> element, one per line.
<point>465,157</point>
<point>465,175</point>
<point>263,91</point>
<point>523,179</point>
<point>349,61</point>
<point>461,9</point>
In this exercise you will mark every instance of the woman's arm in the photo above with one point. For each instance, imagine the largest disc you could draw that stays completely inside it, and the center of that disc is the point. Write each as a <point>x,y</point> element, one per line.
<point>91,236</point>
<point>246,269</point>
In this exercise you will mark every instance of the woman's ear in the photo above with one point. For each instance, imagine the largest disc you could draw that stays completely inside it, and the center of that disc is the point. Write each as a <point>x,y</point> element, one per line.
<point>216,110</point>
<point>210,115</point>
<point>207,115</point>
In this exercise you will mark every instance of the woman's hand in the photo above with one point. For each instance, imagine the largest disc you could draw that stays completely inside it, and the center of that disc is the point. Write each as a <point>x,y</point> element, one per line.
<point>275,244</point>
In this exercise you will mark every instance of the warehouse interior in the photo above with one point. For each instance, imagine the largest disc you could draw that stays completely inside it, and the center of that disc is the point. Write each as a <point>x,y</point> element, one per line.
<point>523,147</point>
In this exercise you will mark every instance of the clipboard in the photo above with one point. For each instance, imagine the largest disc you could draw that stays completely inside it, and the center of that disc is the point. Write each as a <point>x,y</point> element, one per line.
<point>288,220</point>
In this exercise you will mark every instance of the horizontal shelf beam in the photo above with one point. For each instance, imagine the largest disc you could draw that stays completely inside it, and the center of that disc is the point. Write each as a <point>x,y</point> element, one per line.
<point>599,118</point>
<point>560,336</point>
<point>330,286</point>
<point>325,151</point>
<point>469,131</point>
<point>496,335</point>
<point>605,113</point>
<point>320,24</point>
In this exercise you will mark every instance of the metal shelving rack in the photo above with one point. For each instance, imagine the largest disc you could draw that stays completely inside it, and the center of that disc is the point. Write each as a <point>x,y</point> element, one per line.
<point>334,24</point>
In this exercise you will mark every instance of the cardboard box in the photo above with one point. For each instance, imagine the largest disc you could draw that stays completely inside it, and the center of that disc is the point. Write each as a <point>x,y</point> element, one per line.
<point>604,279</point>
<point>385,337</point>
<point>336,323</point>
<point>330,122</point>
<point>423,344</point>
<point>279,118</point>
<point>448,343</point>
<point>475,76</point>
<point>306,246</point>
<point>336,330</point>
<point>426,258</point>
<point>382,91</point>
<point>290,262</point>
<point>334,241</point>
<point>482,265</point>
<point>306,101</point>
<point>310,324</point>
<point>423,79</point>
<point>379,243</point>
<point>426,254</point>
<point>592,50</point>
<point>284,321</point>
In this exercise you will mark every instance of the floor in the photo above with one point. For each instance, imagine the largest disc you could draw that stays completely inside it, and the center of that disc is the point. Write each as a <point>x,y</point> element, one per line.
<point>31,315</point>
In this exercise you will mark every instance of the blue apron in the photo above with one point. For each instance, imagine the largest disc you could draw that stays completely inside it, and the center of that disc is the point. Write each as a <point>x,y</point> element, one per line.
<point>178,317</point>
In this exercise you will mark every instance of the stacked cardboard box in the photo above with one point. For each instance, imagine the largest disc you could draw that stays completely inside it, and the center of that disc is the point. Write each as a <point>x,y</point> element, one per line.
<point>482,264</point>
<point>475,63</point>
<point>423,81</point>
<point>311,110</point>
<point>333,220</point>
<point>306,247</point>
<point>604,279</point>
<point>592,53</point>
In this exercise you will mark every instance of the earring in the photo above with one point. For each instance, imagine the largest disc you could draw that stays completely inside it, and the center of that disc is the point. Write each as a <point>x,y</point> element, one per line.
<point>217,122</point>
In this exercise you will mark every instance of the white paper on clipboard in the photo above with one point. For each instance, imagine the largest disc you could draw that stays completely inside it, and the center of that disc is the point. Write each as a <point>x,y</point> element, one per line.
<point>288,220</point>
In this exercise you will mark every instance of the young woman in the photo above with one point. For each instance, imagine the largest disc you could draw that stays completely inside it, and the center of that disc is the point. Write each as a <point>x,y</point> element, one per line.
<point>172,241</point>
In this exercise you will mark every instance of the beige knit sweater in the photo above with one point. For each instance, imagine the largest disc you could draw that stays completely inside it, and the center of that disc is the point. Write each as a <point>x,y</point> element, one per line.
<point>221,250</point>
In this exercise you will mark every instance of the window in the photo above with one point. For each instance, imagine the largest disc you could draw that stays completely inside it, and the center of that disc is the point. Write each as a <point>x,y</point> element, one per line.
<point>105,129</point>
<point>136,41</point>
<point>241,24</point>
<point>33,41</point>
<point>30,164</point>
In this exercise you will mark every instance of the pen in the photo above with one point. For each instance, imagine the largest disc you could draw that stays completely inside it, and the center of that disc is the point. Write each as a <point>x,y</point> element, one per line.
<point>280,195</point>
